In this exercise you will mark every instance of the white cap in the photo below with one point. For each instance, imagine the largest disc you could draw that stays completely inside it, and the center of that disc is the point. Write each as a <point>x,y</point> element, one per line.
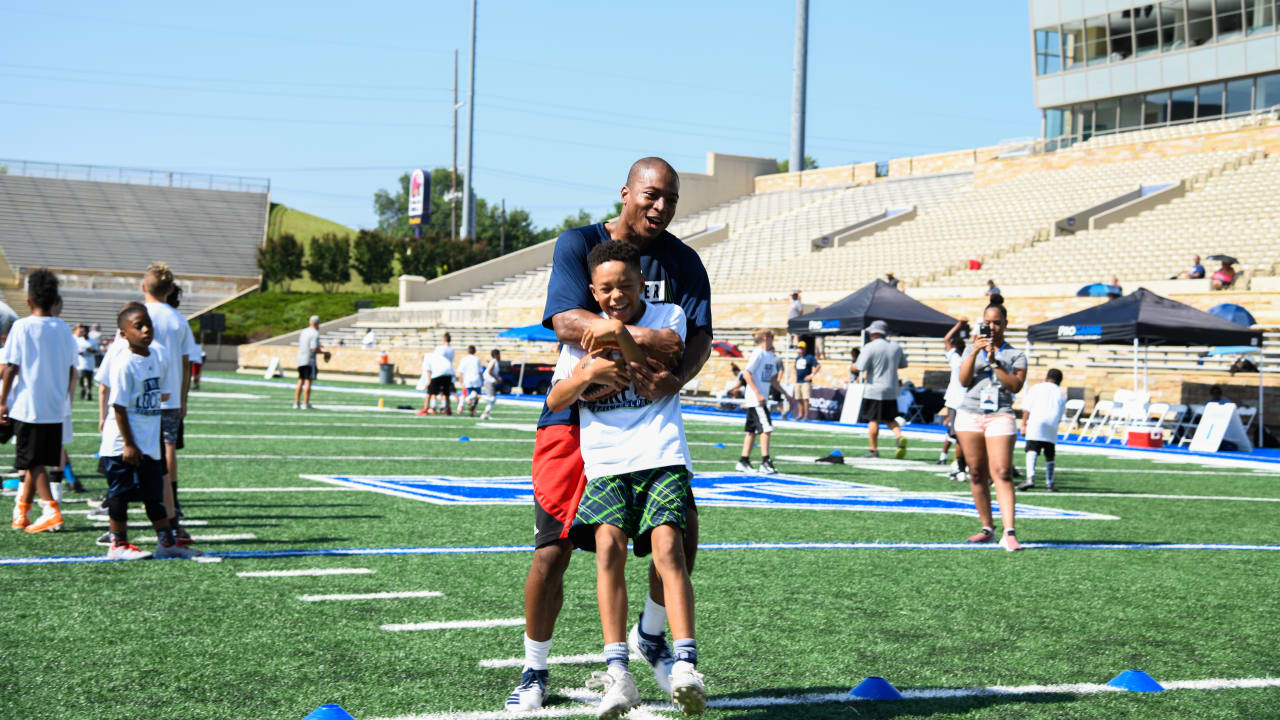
<point>315,320</point>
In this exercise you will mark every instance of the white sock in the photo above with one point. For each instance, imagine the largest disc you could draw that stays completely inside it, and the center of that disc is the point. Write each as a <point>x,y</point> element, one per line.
<point>942,457</point>
<point>654,621</point>
<point>1031,465</point>
<point>536,652</point>
<point>55,489</point>
<point>1048,471</point>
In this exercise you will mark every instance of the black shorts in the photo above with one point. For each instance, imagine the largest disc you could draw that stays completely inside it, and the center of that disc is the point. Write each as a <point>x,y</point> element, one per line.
<point>1042,447</point>
<point>878,410</point>
<point>38,444</point>
<point>306,372</point>
<point>758,421</point>
<point>442,385</point>
<point>182,431</point>
<point>170,425</point>
<point>141,483</point>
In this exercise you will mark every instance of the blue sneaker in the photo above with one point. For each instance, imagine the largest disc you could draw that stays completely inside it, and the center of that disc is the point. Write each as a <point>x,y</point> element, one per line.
<point>655,651</point>
<point>531,693</point>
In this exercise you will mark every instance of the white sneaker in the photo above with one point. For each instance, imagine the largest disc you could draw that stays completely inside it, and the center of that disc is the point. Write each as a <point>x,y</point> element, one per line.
<point>687,688</point>
<point>296,406</point>
<point>125,551</point>
<point>620,694</point>
<point>531,693</point>
<point>98,515</point>
<point>657,654</point>
<point>744,467</point>
<point>175,551</point>
<point>767,468</point>
<point>309,406</point>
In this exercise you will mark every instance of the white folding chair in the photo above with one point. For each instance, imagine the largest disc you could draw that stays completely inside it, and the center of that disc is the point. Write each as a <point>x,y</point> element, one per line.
<point>1189,422</point>
<point>1247,416</point>
<point>1071,416</point>
<point>1100,417</point>
<point>1172,420</point>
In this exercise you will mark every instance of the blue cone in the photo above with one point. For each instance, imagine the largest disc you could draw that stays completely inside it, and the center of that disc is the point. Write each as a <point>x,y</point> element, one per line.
<point>837,453</point>
<point>718,446</point>
<point>12,483</point>
<point>1135,681</point>
<point>329,712</point>
<point>876,688</point>
<point>463,438</point>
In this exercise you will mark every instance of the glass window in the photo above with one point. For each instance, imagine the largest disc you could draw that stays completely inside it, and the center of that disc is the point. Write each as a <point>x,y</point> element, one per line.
<point>1182,104</point>
<point>1259,15</point>
<point>1199,22</point>
<point>1095,40</point>
<point>1052,123</point>
<point>1084,121</point>
<point>1230,19</point>
<point>1155,109</point>
<point>1104,117</point>
<point>1048,51</point>
<point>1239,96</point>
<point>1072,44</point>
<point>1268,92</point>
<point>1131,111</point>
<point>1120,33</point>
<point>1210,101</point>
<point>1173,25</point>
<point>1146,30</point>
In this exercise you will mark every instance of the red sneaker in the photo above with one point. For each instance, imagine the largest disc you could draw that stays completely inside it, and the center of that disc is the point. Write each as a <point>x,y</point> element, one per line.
<point>984,535</point>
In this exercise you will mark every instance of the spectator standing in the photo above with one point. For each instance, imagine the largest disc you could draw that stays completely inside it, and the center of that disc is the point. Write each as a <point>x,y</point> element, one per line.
<point>369,340</point>
<point>954,396</point>
<point>471,380</point>
<point>308,346</point>
<point>991,288</point>
<point>1195,272</point>
<point>85,362</point>
<point>878,364</point>
<point>807,367</point>
<point>795,308</point>
<point>1041,414</point>
<point>761,374</point>
<point>854,372</point>
<point>489,381</point>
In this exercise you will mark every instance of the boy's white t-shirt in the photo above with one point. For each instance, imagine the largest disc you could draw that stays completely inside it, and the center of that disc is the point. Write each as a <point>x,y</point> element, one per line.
<point>437,364</point>
<point>136,384</point>
<point>84,361</point>
<point>1045,405</point>
<point>955,391</point>
<point>117,346</point>
<point>173,332</point>
<point>45,351</point>
<point>490,374</point>
<point>470,369</point>
<point>762,365</point>
<point>625,432</point>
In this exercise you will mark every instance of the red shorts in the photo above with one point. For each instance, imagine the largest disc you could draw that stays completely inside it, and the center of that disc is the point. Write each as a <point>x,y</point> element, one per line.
<point>558,481</point>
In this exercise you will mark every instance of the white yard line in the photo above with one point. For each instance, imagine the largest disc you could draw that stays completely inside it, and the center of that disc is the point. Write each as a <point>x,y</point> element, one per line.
<point>527,459</point>
<point>1148,496</point>
<point>185,523</point>
<point>373,596</point>
<point>454,625</point>
<point>209,538</point>
<point>315,572</point>
<point>518,662</point>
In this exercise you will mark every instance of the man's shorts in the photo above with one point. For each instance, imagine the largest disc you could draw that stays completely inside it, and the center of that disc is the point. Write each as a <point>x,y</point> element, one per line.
<point>558,481</point>
<point>442,385</point>
<point>804,390</point>
<point>636,502</point>
<point>951,423</point>
<point>489,390</point>
<point>37,444</point>
<point>170,424</point>
<point>878,410</point>
<point>758,421</point>
<point>306,372</point>
<point>1044,448</point>
<point>471,390</point>
<point>141,483</point>
<point>995,424</point>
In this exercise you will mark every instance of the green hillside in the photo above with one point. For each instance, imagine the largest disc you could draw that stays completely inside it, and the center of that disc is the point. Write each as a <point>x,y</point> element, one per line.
<point>304,226</point>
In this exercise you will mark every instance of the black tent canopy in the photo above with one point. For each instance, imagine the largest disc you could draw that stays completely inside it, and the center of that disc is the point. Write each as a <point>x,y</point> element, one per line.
<point>1145,318</point>
<point>876,301</point>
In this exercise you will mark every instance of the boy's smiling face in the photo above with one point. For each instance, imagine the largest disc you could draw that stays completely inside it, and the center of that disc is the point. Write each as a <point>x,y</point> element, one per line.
<point>616,287</point>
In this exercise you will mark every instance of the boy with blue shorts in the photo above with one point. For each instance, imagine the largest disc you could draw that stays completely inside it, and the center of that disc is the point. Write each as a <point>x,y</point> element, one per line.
<point>638,474</point>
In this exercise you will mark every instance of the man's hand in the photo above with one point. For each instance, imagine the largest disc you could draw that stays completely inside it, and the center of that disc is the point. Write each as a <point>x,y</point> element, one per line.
<point>663,345</point>
<point>653,381</point>
<point>131,455</point>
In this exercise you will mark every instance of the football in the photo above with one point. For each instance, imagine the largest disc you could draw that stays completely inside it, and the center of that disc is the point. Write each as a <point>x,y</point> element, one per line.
<point>596,392</point>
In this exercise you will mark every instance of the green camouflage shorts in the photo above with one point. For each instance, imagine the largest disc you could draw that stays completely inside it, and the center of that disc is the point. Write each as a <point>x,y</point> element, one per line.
<point>636,502</point>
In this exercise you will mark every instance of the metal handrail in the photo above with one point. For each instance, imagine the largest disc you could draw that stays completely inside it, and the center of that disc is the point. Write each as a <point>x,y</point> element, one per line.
<point>134,176</point>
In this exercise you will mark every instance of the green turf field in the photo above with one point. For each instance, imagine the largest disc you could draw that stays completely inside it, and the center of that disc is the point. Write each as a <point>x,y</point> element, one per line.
<point>783,632</point>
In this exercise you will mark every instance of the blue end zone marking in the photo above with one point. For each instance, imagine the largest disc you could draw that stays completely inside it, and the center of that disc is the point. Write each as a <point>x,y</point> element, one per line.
<point>790,492</point>
<point>507,549</point>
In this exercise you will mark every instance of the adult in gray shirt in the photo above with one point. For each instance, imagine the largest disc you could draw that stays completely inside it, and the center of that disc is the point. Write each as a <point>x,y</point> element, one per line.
<point>878,364</point>
<point>992,372</point>
<point>308,347</point>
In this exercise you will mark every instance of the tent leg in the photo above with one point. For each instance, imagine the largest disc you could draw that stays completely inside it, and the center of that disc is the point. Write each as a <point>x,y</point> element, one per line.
<point>1135,364</point>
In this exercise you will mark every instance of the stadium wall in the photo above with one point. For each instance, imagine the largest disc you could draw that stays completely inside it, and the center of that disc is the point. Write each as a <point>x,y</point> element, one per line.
<point>727,177</point>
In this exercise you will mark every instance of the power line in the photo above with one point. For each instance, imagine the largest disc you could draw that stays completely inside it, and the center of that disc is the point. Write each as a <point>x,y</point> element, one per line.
<point>224,91</point>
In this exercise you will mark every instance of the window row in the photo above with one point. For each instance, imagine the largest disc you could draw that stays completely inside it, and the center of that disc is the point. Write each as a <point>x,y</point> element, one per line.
<point>1199,102</point>
<point>1149,28</point>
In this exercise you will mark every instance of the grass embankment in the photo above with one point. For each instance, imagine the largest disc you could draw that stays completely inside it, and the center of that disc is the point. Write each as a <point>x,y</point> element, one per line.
<point>305,226</point>
<point>262,315</point>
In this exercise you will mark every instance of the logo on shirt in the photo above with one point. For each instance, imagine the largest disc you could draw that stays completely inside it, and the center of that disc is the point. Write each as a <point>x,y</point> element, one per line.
<point>148,402</point>
<point>656,291</point>
<point>710,489</point>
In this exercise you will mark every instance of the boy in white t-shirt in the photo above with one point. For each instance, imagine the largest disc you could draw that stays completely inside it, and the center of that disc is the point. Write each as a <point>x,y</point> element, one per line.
<point>761,374</point>
<point>470,370</point>
<point>40,370</point>
<point>638,474</point>
<point>1041,414</point>
<point>131,448</point>
<point>489,381</point>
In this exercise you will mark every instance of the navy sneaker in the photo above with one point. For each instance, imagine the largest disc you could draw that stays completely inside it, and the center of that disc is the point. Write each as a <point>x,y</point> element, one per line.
<point>531,693</point>
<point>655,651</point>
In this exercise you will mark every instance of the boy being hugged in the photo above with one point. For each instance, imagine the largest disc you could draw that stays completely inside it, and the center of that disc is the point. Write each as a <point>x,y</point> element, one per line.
<point>130,450</point>
<point>638,474</point>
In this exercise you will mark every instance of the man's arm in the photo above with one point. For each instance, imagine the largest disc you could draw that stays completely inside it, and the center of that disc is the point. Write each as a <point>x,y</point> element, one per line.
<point>186,382</point>
<point>8,374</point>
<point>571,325</point>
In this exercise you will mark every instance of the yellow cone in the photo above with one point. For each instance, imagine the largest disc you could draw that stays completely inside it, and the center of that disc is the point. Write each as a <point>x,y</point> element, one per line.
<point>380,404</point>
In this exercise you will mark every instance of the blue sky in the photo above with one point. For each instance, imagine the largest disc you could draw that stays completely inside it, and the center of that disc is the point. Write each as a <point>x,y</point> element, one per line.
<point>332,100</point>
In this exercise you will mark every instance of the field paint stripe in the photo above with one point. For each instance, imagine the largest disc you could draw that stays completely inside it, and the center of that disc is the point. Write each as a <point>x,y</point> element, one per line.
<point>762,701</point>
<point>505,549</point>
<point>185,523</point>
<point>207,538</point>
<point>1147,496</point>
<point>373,596</point>
<point>515,662</point>
<point>348,438</point>
<point>315,572</point>
<point>454,625</point>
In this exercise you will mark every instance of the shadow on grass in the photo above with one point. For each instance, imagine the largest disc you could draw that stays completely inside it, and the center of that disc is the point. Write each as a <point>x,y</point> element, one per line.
<point>878,708</point>
<point>237,518</point>
<point>260,506</point>
<point>297,543</point>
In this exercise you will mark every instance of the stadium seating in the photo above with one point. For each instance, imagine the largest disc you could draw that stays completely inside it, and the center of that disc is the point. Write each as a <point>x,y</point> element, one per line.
<point>1171,132</point>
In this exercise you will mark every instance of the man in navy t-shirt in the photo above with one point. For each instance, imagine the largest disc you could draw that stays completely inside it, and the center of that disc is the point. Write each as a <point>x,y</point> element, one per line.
<point>673,274</point>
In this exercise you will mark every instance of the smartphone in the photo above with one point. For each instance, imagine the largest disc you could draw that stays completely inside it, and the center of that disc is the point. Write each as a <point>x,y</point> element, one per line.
<point>984,330</point>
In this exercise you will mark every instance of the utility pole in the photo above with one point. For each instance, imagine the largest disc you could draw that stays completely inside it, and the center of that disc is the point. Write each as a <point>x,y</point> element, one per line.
<point>502,231</point>
<point>796,163</point>
<point>453,180</point>
<point>468,211</point>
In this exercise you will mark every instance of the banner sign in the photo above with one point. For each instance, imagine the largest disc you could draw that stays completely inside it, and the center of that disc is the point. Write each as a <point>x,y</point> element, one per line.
<point>419,197</point>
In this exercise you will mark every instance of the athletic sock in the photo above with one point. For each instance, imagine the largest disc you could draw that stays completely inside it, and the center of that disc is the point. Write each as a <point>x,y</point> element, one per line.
<point>120,538</point>
<point>961,465</point>
<point>536,652</point>
<point>686,650</point>
<point>1032,455</point>
<point>654,619</point>
<point>765,459</point>
<point>166,537</point>
<point>744,459</point>
<point>55,489</point>
<point>1048,471</point>
<point>616,654</point>
<point>942,457</point>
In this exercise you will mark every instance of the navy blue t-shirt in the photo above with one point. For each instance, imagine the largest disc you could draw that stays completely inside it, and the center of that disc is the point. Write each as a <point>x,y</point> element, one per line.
<point>673,272</point>
<point>804,367</point>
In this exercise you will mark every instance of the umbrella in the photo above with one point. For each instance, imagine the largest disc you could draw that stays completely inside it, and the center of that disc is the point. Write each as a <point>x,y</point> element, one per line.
<point>536,333</point>
<point>1234,313</point>
<point>1223,258</point>
<point>1095,290</point>
<point>1243,350</point>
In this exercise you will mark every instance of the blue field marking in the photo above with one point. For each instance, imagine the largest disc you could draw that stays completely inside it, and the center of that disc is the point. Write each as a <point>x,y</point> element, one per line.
<point>711,489</point>
<point>511,549</point>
